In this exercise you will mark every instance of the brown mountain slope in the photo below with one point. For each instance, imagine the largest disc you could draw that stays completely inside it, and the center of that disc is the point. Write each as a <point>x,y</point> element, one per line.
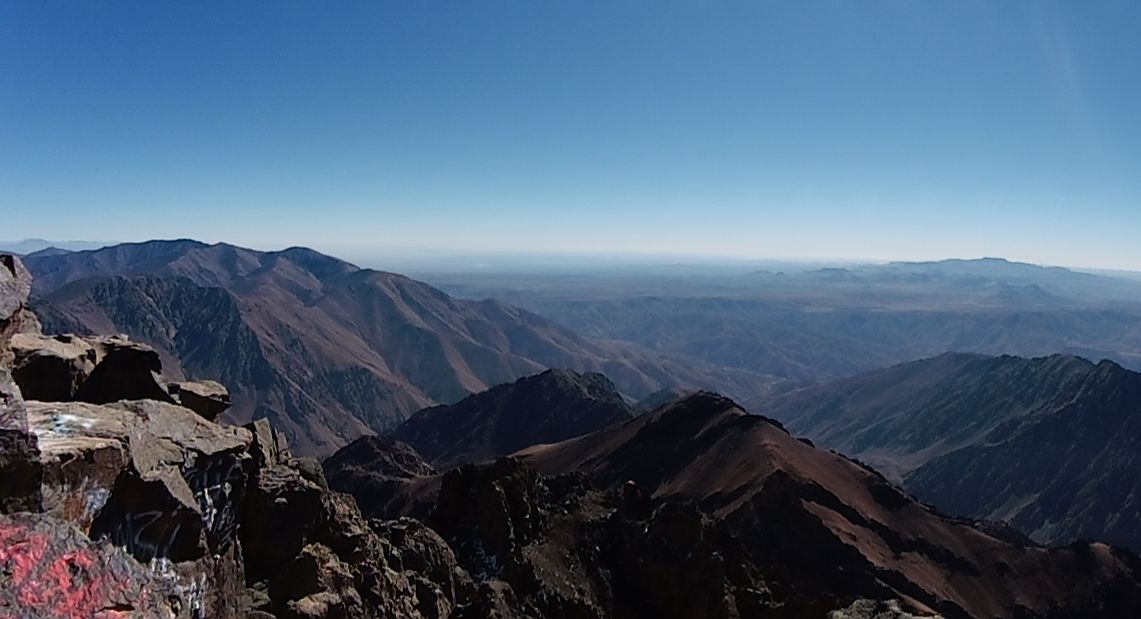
<point>826,524</point>
<point>552,406</point>
<point>328,351</point>
<point>1049,445</point>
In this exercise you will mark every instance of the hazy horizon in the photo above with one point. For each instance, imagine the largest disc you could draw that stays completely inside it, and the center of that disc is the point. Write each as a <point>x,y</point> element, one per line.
<point>788,131</point>
<point>443,260</point>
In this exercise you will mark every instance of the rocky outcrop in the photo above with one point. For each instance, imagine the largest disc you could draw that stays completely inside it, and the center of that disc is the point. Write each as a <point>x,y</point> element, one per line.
<point>556,547</point>
<point>15,317</point>
<point>19,454</point>
<point>98,370</point>
<point>125,370</point>
<point>322,559</point>
<point>208,398</point>
<point>51,569</point>
<point>51,368</point>
<point>378,472</point>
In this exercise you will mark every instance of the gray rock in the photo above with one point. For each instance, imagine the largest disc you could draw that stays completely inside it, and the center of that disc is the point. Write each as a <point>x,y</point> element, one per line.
<point>19,457</point>
<point>205,397</point>
<point>269,447</point>
<point>154,479</point>
<point>15,317</point>
<point>51,569</point>
<point>125,370</point>
<point>51,368</point>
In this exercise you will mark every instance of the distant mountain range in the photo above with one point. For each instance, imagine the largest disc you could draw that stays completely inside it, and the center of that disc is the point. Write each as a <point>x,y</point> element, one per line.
<point>326,350</point>
<point>834,322</point>
<point>30,246</point>
<point>1050,445</point>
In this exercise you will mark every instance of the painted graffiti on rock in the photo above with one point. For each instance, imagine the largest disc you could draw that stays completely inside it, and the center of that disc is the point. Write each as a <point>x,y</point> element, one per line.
<point>146,518</point>
<point>218,484</point>
<point>51,573</point>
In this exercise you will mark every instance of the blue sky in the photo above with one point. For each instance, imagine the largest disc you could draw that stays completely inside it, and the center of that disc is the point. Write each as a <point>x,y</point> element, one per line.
<point>865,130</point>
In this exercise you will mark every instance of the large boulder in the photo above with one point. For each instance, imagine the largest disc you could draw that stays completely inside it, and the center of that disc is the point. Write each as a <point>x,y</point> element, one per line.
<point>52,570</point>
<point>155,480</point>
<point>15,317</point>
<point>51,368</point>
<point>269,446</point>
<point>19,455</point>
<point>205,397</point>
<point>125,370</point>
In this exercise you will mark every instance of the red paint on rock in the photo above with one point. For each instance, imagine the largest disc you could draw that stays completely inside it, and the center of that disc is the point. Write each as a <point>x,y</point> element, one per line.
<point>74,584</point>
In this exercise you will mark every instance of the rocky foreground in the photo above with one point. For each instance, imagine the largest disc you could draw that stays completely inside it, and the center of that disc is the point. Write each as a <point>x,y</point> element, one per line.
<point>121,496</point>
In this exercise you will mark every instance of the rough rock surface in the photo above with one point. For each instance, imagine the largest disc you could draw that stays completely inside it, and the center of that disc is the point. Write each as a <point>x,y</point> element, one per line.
<point>555,547</point>
<point>874,609</point>
<point>322,559</point>
<point>51,368</point>
<point>19,454</point>
<point>153,479</point>
<point>208,398</point>
<point>376,471</point>
<point>269,446</point>
<point>15,317</point>
<point>126,370</point>
<point>52,570</point>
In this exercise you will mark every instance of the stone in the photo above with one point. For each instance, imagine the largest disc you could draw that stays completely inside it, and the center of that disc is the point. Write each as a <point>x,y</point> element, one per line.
<point>125,370</point>
<point>51,569</point>
<point>20,471</point>
<point>269,447</point>
<point>205,397</point>
<point>157,481</point>
<point>15,317</point>
<point>51,368</point>
<point>429,564</point>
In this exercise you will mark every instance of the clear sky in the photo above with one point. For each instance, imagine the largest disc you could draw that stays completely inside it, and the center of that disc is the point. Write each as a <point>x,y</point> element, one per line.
<point>865,130</point>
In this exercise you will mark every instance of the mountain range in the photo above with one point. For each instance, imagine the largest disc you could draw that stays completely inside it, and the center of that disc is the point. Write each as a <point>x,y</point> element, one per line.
<point>324,349</point>
<point>1049,445</point>
<point>798,530</point>
<point>811,324</point>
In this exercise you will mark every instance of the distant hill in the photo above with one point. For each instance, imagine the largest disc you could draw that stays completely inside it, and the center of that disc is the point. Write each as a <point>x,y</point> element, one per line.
<point>326,350</point>
<point>825,323</point>
<point>1050,445</point>
<point>549,407</point>
<point>31,246</point>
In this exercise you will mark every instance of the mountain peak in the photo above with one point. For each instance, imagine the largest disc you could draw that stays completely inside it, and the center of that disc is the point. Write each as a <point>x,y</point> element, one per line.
<point>551,406</point>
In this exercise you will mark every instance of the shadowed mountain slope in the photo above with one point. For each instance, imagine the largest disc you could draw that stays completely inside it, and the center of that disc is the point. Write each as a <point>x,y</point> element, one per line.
<point>328,351</point>
<point>391,474</point>
<point>549,407</point>
<point>1050,445</point>
<point>826,524</point>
